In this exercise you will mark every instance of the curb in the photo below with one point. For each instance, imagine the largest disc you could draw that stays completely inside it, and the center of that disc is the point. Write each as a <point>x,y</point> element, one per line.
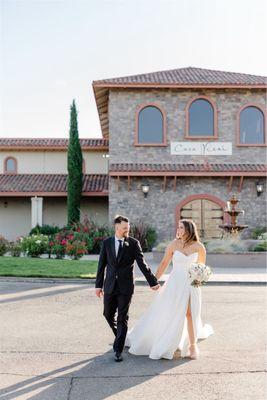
<point>86,281</point>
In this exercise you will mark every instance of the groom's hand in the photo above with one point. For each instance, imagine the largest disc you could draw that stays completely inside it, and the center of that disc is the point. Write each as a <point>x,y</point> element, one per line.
<point>99,292</point>
<point>155,287</point>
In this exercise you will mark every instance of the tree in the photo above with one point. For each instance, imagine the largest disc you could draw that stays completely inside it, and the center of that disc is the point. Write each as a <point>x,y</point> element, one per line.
<point>75,174</point>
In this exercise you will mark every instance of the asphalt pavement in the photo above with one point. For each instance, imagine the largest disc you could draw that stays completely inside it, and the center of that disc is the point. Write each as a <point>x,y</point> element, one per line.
<point>56,345</point>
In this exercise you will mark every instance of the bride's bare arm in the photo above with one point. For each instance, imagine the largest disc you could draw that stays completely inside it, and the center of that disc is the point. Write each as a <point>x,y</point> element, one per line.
<point>165,261</point>
<point>201,254</point>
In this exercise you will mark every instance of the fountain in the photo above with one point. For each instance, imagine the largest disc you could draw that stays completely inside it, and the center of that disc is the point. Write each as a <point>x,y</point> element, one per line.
<point>233,228</point>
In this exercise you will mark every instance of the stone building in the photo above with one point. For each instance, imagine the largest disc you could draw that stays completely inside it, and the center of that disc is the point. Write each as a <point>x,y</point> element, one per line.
<point>33,183</point>
<point>181,142</point>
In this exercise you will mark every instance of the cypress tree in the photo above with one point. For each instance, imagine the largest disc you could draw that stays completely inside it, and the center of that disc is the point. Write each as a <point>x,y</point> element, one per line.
<point>75,174</point>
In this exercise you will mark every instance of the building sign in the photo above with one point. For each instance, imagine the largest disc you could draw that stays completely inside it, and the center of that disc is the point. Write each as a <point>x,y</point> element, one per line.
<point>201,148</point>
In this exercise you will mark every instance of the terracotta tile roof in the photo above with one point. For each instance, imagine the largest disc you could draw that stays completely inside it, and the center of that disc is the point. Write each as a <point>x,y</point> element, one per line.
<point>50,143</point>
<point>186,168</point>
<point>188,76</point>
<point>49,183</point>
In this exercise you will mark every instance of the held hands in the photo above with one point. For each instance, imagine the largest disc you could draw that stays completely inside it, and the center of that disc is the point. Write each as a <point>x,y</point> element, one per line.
<point>99,292</point>
<point>155,287</point>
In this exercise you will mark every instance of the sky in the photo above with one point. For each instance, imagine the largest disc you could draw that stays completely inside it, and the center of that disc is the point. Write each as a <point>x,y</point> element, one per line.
<point>52,50</point>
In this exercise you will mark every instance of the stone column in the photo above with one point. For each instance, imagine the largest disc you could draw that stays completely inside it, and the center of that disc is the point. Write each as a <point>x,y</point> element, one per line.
<point>37,211</point>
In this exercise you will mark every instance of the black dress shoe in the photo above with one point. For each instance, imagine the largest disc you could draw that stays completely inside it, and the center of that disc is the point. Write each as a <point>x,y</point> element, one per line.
<point>118,357</point>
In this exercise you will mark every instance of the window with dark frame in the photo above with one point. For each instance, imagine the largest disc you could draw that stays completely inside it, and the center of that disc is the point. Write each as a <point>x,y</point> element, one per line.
<point>201,118</point>
<point>150,126</point>
<point>251,126</point>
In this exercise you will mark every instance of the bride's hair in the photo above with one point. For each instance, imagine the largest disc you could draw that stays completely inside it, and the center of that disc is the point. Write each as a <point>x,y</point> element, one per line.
<point>191,230</point>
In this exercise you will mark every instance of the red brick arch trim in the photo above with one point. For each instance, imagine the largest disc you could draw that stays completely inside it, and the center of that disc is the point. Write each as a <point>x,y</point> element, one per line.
<point>205,196</point>
<point>5,165</point>
<point>139,109</point>
<point>215,119</point>
<point>259,107</point>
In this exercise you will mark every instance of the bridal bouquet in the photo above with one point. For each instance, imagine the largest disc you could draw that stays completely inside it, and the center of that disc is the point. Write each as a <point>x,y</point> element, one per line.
<point>199,274</point>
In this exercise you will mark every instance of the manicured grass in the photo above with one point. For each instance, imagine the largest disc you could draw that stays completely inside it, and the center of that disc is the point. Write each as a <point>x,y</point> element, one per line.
<point>47,268</point>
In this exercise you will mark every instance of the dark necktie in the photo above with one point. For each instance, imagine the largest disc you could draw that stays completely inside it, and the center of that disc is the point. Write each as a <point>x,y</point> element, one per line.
<point>119,249</point>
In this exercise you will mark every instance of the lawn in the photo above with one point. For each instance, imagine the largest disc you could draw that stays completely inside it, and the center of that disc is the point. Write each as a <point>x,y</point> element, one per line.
<point>47,268</point>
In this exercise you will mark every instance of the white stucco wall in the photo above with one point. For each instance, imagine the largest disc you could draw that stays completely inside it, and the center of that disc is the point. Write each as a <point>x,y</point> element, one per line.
<point>53,162</point>
<point>15,213</point>
<point>15,217</point>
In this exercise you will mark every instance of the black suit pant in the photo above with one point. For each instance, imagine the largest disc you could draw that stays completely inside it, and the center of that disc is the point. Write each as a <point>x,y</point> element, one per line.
<point>120,303</point>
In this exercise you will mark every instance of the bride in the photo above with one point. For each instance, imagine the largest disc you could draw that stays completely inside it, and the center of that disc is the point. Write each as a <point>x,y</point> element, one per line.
<point>173,320</point>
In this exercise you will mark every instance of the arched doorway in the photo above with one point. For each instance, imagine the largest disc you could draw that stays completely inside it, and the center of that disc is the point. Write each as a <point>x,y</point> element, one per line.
<point>207,212</point>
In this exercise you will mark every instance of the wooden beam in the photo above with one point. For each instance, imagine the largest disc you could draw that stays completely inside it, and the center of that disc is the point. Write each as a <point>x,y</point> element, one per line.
<point>240,184</point>
<point>129,183</point>
<point>230,184</point>
<point>174,183</point>
<point>164,183</point>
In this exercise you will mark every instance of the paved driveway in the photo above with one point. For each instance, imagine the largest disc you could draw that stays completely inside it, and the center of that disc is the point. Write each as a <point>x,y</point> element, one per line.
<point>55,345</point>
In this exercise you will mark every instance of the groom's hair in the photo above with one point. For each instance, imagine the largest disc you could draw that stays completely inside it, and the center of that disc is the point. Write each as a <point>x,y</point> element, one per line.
<point>119,218</point>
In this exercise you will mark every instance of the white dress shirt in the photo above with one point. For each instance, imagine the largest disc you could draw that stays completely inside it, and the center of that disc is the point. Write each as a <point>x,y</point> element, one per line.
<point>117,243</point>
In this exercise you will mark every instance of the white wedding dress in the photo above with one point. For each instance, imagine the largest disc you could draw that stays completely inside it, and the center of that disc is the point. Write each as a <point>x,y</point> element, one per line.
<point>162,329</point>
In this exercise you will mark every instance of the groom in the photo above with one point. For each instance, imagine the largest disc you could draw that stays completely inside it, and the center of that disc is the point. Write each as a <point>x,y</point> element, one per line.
<point>115,279</point>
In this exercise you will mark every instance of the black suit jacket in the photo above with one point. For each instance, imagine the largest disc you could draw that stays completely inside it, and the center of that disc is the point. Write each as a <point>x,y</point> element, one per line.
<point>110,269</point>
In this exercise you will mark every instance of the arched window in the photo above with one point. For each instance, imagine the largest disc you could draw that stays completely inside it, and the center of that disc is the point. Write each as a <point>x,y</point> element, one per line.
<point>251,126</point>
<point>150,126</point>
<point>201,119</point>
<point>10,165</point>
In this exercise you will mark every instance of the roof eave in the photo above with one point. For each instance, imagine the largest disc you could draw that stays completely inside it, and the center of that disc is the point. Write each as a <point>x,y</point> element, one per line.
<point>51,194</point>
<point>187,173</point>
<point>50,148</point>
<point>97,84</point>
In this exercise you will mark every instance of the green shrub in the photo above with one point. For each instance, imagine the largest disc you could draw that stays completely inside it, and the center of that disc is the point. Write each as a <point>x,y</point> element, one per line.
<point>34,245</point>
<point>3,245</point>
<point>145,234</point>
<point>261,246</point>
<point>258,231</point>
<point>45,230</point>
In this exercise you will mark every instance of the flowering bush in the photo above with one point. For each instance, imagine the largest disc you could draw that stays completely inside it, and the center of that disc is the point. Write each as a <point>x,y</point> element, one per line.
<point>76,249</point>
<point>92,233</point>
<point>34,245</point>
<point>3,245</point>
<point>68,242</point>
<point>78,239</point>
<point>15,248</point>
<point>57,244</point>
